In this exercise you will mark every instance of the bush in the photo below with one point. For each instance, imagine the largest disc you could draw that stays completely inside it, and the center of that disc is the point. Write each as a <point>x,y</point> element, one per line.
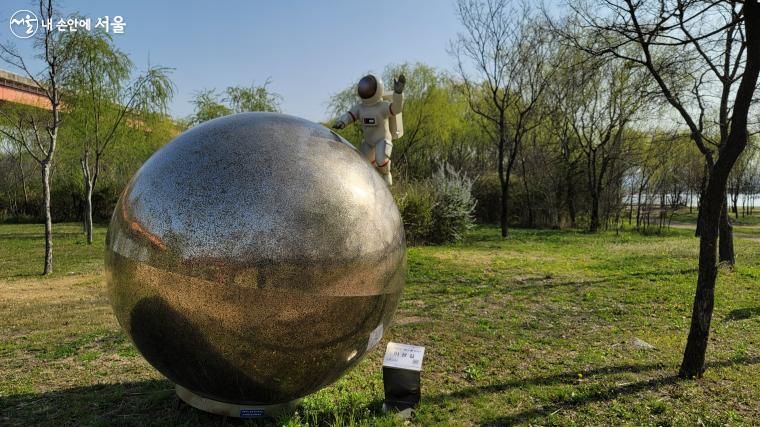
<point>454,204</point>
<point>438,210</point>
<point>415,202</point>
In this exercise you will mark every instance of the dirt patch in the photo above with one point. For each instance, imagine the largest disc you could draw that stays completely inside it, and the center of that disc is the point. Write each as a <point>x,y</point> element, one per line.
<point>55,289</point>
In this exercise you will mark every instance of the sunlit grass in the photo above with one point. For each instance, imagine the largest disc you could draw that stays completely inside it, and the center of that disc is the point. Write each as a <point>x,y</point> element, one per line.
<point>535,329</point>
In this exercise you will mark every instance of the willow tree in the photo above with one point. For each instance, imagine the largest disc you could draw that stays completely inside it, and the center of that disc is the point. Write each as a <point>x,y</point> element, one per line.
<point>102,99</point>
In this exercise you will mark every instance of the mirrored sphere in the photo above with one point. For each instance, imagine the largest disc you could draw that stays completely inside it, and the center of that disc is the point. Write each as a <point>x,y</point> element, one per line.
<point>255,258</point>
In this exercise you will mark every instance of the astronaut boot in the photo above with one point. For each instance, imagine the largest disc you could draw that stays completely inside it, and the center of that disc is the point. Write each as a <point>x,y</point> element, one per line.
<point>385,172</point>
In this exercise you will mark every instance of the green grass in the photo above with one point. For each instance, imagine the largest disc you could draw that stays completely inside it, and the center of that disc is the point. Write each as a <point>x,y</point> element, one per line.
<point>22,248</point>
<point>683,215</point>
<point>535,329</point>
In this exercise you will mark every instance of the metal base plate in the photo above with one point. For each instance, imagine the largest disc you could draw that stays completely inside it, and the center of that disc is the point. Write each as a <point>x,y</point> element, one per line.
<point>235,409</point>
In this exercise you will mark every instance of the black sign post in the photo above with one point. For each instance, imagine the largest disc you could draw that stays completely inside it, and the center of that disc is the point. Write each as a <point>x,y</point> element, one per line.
<point>401,377</point>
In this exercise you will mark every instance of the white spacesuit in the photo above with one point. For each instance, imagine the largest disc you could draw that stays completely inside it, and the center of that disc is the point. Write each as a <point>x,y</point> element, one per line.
<point>380,120</point>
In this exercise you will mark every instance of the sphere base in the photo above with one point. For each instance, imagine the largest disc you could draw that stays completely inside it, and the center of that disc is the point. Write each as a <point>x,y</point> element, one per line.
<point>235,409</point>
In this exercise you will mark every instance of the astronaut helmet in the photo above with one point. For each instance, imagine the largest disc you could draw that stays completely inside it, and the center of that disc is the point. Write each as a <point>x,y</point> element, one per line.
<point>370,89</point>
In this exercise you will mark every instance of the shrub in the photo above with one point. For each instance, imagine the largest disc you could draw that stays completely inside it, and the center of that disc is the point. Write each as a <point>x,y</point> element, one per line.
<point>415,202</point>
<point>454,205</point>
<point>437,210</point>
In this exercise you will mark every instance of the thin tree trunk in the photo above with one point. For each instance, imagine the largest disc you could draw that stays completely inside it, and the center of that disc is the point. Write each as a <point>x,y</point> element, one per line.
<point>702,189</point>
<point>594,225</point>
<point>688,201</point>
<point>88,212</point>
<point>726,241</point>
<point>23,184</point>
<point>630,211</point>
<point>89,184</point>
<point>504,209</point>
<point>528,199</point>
<point>504,182</point>
<point>571,202</point>
<point>48,219</point>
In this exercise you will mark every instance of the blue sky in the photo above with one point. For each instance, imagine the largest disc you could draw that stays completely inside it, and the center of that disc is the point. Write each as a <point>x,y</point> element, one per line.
<point>309,49</point>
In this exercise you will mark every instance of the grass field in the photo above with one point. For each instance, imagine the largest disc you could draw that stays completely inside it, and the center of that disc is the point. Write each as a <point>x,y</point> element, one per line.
<point>685,215</point>
<point>536,329</point>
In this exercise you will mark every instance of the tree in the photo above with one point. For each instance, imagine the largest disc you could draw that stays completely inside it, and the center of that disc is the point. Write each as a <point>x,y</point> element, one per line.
<point>721,41</point>
<point>34,129</point>
<point>509,51</point>
<point>209,104</point>
<point>610,95</point>
<point>253,98</point>
<point>101,100</point>
<point>740,178</point>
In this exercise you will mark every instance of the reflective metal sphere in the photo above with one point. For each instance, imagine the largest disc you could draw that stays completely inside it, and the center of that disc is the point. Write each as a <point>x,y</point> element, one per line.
<point>255,258</point>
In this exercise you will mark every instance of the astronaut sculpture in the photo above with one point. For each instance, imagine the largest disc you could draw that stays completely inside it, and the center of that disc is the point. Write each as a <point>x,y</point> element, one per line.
<point>380,118</point>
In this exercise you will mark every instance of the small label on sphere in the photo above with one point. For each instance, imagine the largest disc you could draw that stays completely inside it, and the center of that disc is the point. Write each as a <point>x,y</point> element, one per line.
<point>375,337</point>
<point>404,356</point>
<point>251,413</point>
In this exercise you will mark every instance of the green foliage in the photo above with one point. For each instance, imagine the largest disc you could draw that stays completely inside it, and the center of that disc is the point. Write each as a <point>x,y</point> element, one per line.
<point>437,210</point>
<point>415,202</point>
<point>454,205</point>
<point>209,104</point>
<point>253,98</point>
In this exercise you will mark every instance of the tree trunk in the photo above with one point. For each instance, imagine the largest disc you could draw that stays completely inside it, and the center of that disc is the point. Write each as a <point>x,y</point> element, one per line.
<point>594,225</point>
<point>503,181</point>
<point>48,269</point>
<point>630,211</point>
<point>571,203</point>
<point>702,189</point>
<point>23,185</point>
<point>88,211</point>
<point>714,202</point>
<point>89,184</point>
<point>528,199</point>
<point>726,241</point>
<point>504,209</point>
<point>696,346</point>
<point>688,201</point>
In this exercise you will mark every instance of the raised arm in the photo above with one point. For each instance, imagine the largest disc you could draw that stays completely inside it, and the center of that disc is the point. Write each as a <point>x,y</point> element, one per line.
<point>397,104</point>
<point>348,117</point>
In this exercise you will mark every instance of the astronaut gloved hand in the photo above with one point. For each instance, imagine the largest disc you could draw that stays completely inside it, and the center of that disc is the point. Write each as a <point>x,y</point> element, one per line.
<point>338,124</point>
<point>398,84</point>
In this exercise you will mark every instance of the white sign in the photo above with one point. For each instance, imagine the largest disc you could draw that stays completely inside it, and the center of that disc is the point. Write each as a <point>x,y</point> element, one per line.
<point>404,356</point>
<point>375,337</point>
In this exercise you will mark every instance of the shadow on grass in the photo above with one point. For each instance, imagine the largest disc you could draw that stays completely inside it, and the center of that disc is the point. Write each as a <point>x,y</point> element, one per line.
<point>742,314</point>
<point>141,403</point>
<point>572,378</point>
<point>40,235</point>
